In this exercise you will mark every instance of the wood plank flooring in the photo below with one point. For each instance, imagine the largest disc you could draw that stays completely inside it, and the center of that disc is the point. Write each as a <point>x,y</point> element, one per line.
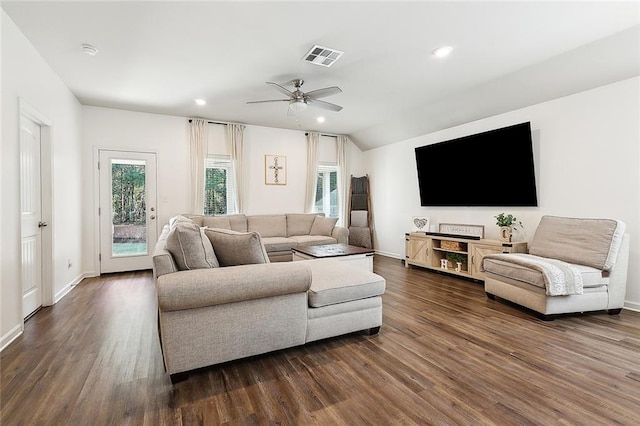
<point>445,355</point>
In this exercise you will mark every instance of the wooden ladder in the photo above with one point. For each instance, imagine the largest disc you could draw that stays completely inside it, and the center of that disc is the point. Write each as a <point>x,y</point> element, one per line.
<point>359,200</point>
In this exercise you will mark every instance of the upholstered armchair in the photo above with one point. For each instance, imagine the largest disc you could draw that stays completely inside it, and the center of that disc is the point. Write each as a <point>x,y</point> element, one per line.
<point>573,265</point>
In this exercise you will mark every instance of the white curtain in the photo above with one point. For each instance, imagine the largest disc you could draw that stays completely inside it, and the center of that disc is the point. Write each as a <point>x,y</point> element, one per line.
<point>198,149</point>
<point>312,171</point>
<point>342,180</point>
<point>235,135</point>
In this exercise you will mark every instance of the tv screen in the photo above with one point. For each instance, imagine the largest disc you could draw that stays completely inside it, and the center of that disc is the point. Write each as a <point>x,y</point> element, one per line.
<point>493,168</point>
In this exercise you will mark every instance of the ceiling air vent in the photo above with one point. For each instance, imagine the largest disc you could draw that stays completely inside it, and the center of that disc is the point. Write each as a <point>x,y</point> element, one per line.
<point>323,56</point>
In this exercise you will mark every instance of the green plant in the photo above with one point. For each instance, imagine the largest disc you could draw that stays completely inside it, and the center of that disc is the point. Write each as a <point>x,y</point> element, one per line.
<point>456,257</point>
<point>507,220</point>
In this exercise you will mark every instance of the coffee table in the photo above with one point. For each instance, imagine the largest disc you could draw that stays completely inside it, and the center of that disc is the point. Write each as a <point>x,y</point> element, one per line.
<point>358,256</point>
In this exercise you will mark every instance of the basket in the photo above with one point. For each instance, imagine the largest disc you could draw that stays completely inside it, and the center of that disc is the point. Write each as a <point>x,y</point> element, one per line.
<point>451,245</point>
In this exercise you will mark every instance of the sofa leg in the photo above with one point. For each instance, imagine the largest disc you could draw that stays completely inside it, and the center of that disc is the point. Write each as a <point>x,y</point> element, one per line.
<point>178,377</point>
<point>490,296</point>
<point>614,311</point>
<point>373,331</point>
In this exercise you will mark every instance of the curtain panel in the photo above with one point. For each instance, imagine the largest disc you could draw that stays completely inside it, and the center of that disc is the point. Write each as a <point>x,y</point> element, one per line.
<point>312,171</point>
<point>342,180</point>
<point>198,131</point>
<point>235,135</point>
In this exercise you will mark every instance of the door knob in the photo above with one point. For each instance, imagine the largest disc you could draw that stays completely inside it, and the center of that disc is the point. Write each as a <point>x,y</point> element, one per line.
<point>42,224</point>
<point>152,217</point>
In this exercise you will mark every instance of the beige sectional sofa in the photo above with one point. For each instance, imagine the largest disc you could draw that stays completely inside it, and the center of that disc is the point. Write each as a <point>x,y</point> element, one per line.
<point>209,314</point>
<point>281,232</point>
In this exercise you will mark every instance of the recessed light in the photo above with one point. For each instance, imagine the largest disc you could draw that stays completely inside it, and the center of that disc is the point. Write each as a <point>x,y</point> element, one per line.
<point>89,49</point>
<point>200,102</point>
<point>320,119</point>
<point>441,52</point>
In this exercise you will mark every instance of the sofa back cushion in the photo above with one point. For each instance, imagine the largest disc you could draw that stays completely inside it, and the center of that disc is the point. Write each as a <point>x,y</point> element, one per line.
<point>299,223</point>
<point>237,248</point>
<point>190,248</point>
<point>268,225</point>
<point>589,242</point>
<point>323,225</point>
<point>221,222</point>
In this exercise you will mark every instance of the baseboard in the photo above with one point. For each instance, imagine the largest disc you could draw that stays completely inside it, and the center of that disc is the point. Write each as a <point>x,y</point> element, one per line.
<point>387,254</point>
<point>12,335</point>
<point>632,306</point>
<point>71,285</point>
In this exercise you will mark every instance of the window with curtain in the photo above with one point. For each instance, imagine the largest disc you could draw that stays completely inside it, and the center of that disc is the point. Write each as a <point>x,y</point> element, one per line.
<point>219,186</point>
<point>327,190</point>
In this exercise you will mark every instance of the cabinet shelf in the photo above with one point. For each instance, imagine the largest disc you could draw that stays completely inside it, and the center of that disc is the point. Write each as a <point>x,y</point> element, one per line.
<point>427,251</point>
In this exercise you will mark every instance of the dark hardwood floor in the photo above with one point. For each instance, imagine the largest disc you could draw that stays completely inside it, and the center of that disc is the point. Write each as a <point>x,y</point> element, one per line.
<point>445,355</point>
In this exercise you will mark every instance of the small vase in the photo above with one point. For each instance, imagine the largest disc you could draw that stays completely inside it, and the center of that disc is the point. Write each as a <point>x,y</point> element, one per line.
<point>506,233</point>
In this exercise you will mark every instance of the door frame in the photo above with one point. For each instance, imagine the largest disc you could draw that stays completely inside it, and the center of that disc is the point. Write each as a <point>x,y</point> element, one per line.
<point>96,196</point>
<point>46,196</point>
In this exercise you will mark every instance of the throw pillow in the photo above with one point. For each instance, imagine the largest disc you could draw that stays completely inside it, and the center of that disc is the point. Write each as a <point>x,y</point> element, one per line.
<point>323,225</point>
<point>177,219</point>
<point>237,248</point>
<point>190,248</point>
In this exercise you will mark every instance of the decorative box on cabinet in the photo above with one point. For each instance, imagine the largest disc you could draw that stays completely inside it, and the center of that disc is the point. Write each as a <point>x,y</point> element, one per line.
<point>427,251</point>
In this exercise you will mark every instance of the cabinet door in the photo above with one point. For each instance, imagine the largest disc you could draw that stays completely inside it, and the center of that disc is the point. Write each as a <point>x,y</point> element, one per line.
<point>417,251</point>
<point>477,253</point>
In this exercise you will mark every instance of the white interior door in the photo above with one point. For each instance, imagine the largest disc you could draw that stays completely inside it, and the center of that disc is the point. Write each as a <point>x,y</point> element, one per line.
<point>128,229</point>
<point>31,216</point>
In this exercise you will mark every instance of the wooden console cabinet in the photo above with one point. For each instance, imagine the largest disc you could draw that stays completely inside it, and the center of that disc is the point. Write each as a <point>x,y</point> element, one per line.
<point>428,251</point>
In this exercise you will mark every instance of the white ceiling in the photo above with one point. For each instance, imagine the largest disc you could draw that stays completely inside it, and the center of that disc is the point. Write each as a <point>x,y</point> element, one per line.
<point>159,56</point>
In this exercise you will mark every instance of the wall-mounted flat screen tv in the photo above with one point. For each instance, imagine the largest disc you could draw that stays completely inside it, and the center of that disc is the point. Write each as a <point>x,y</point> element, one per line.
<point>493,168</point>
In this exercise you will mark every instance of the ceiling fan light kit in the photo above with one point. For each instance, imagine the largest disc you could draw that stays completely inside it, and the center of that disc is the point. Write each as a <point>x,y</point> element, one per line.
<point>299,100</point>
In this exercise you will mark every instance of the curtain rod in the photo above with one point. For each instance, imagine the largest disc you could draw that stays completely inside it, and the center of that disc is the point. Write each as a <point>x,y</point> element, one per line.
<point>323,134</point>
<point>219,122</point>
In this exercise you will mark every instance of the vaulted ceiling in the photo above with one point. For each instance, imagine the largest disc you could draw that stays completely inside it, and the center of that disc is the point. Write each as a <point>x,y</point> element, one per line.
<point>159,56</point>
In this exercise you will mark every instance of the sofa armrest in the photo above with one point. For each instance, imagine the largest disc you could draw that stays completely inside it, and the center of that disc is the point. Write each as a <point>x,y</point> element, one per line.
<point>341,234</point>
<point>216,286</point>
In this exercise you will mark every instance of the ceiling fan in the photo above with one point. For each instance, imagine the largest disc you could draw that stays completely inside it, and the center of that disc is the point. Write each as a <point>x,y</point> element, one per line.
<point>298,100</point>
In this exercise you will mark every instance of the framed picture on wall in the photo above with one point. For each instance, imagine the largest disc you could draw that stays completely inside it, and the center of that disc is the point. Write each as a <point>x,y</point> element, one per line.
<point>275,170</point>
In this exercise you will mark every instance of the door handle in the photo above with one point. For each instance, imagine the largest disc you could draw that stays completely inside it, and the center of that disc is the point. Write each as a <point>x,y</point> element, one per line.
<point>152,217</point>
<point>42,224</point>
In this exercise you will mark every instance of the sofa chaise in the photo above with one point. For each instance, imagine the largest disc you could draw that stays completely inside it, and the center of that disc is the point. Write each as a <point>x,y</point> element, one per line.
<point>573,265</point>
<point>226,300</point>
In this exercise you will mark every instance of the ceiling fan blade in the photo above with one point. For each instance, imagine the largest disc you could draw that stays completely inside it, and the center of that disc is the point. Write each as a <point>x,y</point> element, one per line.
<point>321,93</point>
<point>324,105</point>
<point>280,88</point>
<point>269,100</point>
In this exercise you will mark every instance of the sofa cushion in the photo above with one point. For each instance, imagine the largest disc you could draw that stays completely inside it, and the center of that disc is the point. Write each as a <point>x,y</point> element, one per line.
<point>190,248</point>
<point>181,218</point>
<point>323,225</point>
<point>313,240</point>
<point>274,244</point>
<point>591,277</point>
<point>334,282</point>
<point>300,223</point>
<point>237,248</point>
<point>589,242</point>
<point>221,222</point>
<point>268,225</point>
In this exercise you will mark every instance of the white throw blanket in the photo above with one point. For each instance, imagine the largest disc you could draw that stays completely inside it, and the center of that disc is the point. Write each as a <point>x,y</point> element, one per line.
<point>560,278</point>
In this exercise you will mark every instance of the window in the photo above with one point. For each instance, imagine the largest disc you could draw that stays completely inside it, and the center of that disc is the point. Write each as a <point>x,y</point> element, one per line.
<point>219,186</point>
<point>327,190</point>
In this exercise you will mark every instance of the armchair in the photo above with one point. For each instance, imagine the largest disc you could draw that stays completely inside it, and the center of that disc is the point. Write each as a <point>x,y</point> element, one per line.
<point>573,265</point>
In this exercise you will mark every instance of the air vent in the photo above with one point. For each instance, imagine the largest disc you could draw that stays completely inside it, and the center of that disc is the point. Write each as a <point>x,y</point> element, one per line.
<point>322,56</point>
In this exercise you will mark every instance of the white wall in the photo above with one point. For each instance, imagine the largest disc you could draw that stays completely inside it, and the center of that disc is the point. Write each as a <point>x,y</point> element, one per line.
<point>25,75</point>
<point>587,161</point>
<point>168,136</point>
